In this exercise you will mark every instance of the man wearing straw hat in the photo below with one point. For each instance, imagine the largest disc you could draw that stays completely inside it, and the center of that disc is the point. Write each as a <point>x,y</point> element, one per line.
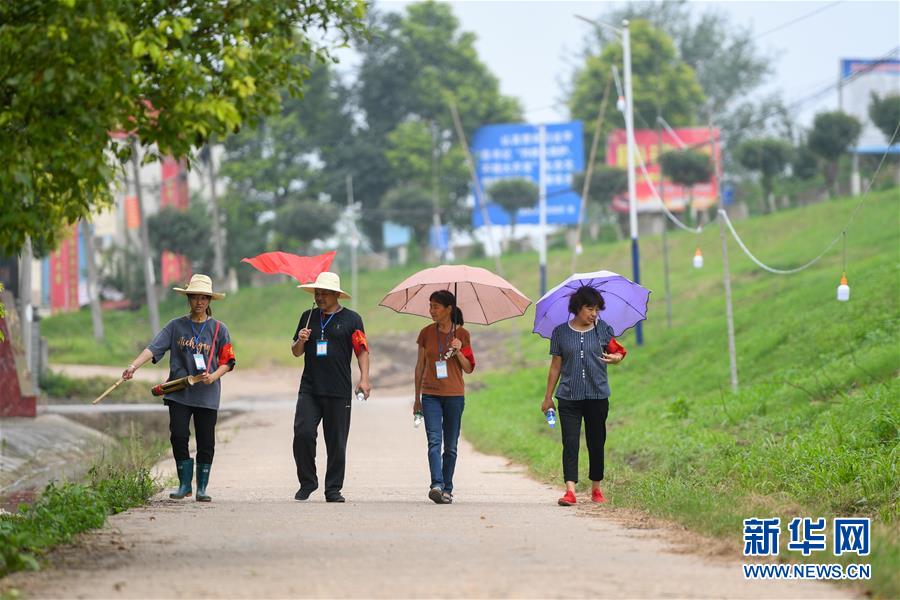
<point>200,351</point>
<point>325,337</point>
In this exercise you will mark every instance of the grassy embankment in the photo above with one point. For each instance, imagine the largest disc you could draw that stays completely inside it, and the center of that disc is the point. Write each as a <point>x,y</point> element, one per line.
<point>119,480</point>
<point>813,430</point>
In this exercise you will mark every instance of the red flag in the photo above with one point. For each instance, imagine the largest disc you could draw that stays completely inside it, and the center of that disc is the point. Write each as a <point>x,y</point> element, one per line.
<point>302,268</point>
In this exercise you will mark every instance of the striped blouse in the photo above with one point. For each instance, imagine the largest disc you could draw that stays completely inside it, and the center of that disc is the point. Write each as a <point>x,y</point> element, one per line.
<point>583,374</point>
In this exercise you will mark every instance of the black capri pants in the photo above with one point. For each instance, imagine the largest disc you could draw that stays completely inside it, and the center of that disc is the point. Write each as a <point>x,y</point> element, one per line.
<point>594,412</point>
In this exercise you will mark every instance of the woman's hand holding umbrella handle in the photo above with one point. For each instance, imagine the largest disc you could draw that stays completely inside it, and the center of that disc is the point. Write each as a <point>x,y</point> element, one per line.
<point>612,359</point>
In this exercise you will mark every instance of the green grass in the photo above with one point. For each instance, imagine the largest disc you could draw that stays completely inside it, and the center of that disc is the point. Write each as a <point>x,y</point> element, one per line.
<point>62,388</point>
<point>119,480</point>
<point>813,430</point>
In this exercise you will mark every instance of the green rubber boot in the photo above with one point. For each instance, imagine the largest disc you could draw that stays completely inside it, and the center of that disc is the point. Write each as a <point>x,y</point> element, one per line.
<point>185,476</point>
<point>202,481</point>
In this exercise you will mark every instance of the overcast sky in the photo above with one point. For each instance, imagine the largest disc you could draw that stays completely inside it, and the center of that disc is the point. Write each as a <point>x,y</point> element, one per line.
<point>533,46</point>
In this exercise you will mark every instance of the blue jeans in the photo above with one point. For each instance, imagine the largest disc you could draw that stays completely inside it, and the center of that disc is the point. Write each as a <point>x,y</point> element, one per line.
<point>443,416</point>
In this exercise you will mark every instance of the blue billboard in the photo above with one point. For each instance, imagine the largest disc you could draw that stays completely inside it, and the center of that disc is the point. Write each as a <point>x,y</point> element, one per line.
<point>512,151</point>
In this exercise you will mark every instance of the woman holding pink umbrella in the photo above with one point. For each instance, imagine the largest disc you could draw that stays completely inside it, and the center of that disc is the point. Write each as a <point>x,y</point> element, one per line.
<point>445,353</point>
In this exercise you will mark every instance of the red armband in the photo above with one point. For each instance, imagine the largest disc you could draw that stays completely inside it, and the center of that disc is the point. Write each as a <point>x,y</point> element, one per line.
<point>360,345</point>
<point>470,356</point>
<point>226,355</point>
<point>615,347</point>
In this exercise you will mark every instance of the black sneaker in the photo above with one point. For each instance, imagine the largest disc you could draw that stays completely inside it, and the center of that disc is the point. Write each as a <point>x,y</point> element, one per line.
<point>303,495</point>
<point>335,498</point>
<point>436,495</point>
<point>447,497</point>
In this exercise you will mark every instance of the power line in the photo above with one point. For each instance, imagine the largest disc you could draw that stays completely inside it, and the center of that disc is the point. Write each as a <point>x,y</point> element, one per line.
<point>798,19</point>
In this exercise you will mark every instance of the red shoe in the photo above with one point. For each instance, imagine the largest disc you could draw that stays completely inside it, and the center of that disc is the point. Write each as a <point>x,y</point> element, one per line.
<point>597,496</point>
<point>568,499</point>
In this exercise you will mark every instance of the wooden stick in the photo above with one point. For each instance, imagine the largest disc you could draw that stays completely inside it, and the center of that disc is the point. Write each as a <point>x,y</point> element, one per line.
<point>106,393</point>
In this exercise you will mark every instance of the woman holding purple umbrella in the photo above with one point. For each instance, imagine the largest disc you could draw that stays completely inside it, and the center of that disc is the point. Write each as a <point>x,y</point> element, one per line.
<point>581,349</point>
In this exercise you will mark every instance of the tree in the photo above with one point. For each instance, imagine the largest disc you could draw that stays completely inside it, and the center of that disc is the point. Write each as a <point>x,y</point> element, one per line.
<point>184,232</point>
<point>804,163</point>
<point>885,113</point>
<point>769,157</point>
<point>724,56</point>
<point>686,168</point>
<point>288,158</point>
<point>832,134</point>
<point>297,224</point>
<point>726,60</point>
<point>409,205</point>
<point>171,74</point>
<point>663,83</point>
<point>606,183</point>
<point>513,194</point>
<point>403,112</point>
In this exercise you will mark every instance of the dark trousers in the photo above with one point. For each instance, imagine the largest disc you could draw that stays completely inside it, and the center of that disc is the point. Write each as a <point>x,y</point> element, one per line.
<point>180,431</point>
<point>594,412</point>
<point>334,414</point>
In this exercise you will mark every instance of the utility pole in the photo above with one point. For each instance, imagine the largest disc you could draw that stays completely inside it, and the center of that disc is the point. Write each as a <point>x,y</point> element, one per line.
<point>218,243</point>
<point>92,287</point>
<point>632,188</point>
<point>354,241</point>
<point>726,270</point>
<point>589,173</point>
<point>149,279</point>
<point>435,200</point>
<point>479,196</point>
<point>665,235</point>
<point>26,311</point>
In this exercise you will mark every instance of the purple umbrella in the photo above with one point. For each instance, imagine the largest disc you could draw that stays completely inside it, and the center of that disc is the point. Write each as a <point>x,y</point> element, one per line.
<point>626,302</point>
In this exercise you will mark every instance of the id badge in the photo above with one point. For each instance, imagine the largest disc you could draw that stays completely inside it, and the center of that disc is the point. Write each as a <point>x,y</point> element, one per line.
<point>199,362</point>
<point>441,368</point>
<point>321,347</point>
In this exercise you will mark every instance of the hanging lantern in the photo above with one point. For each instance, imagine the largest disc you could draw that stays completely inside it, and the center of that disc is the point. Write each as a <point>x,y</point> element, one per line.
<point>698,259</point>
<point>843,291</point>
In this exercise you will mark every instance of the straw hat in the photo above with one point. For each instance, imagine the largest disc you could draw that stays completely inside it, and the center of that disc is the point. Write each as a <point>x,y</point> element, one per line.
<point>200,284</point>
<point>325,281</point>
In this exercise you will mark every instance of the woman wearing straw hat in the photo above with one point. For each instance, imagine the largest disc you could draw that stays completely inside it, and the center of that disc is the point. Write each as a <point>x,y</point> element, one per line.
<point>325,337</point>
<point>200,346</point>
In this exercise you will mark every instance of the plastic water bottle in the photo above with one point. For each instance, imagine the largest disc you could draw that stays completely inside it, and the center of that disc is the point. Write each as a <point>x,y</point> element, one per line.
<point>418,417</point>
<point>360,396</point>
<point>551,418</point>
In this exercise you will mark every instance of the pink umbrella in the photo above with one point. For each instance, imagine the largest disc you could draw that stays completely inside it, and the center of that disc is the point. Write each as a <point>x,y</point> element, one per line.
<point>483,297</point>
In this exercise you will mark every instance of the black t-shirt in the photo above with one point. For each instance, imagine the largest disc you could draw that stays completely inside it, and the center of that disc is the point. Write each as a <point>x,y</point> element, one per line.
<point>328,375</point>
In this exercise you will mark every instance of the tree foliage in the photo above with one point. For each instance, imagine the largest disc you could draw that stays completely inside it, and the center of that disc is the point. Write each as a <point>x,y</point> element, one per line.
<point>723,55</point>
<point>663,83</point>
<point>686,167</point>
<point>831,135</point>
<point>298,223</point>
<point>186,232</point>
<point>606,183</point>
<point>171,74</point>
<point>513,194</point>
<point>885,113</point>
<point>769,157</point>
<point>404,113</point>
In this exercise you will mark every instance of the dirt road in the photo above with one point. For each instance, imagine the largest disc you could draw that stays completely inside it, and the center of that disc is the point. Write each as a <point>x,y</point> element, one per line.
<point>503,537</point>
